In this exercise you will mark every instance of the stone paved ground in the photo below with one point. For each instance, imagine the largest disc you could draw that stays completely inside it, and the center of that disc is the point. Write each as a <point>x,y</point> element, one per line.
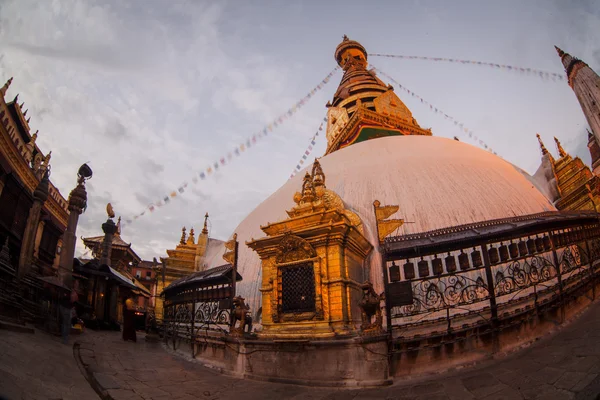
<point>39,366</point>
<point>563,366</point>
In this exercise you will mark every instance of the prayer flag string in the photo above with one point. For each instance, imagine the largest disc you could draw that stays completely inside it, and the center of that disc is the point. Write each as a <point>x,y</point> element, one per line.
<point>537,72</point>
<point>308,150</point>
<point>224,160</point>
<point>436,110</point>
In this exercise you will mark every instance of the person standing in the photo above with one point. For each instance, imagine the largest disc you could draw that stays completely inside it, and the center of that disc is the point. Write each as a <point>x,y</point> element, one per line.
<point>128,319</point>
<point>65,306</point>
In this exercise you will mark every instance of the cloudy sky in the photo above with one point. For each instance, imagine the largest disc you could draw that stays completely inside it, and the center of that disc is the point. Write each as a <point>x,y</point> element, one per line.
<point>151,92</point>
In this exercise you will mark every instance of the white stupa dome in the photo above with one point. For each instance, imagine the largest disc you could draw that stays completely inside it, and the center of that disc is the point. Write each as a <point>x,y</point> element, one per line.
<point>437,183</point>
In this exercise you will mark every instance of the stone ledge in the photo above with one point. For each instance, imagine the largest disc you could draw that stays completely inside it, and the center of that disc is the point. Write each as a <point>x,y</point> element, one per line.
<point>92,377</point>
<point>7,326</point>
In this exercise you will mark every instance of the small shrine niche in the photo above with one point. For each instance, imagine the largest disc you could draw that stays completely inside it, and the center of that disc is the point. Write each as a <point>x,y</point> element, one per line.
<point>312,265</point>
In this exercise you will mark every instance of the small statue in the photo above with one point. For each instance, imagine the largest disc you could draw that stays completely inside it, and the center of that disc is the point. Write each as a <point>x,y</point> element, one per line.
<point>110,211</point>
<point>369,306</point>
<point>241,312</point>
<point>46,161</point>
<point>37,162</point>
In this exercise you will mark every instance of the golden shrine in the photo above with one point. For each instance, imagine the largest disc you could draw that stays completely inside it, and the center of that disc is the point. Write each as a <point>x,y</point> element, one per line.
<point>312,265</point>
<point>189,256</point>
<point>577,187</point>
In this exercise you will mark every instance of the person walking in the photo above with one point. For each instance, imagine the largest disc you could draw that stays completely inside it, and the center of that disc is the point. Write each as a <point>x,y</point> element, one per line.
<point>65,307</point>
<point>128,319</point>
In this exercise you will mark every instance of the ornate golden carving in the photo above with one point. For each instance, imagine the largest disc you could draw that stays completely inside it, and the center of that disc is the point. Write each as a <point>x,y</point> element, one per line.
<point>293,248</point>
<point>337,118</point>
<point>385,227</point>
<point>229,256</point>
<point>389,104</point>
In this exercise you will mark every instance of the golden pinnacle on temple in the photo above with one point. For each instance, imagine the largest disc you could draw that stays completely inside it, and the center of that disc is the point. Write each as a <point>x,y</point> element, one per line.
<point>182,240</point>
<point>561,151</point>
<point>205,227</point>
<point>544,150</point>
<point>559,51</point>
<point>350,52</point>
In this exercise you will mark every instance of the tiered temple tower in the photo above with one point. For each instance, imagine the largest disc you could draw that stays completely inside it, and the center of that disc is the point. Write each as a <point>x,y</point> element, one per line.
<point>363,104</point>
<point>586,85</point>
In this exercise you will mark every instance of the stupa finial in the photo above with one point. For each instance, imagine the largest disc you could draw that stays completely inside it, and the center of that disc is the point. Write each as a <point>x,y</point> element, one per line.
<point>544,149</point>
<point>182,240</point>
<point>205,227</point>
<point>561,151</point>
<point>190,239</point>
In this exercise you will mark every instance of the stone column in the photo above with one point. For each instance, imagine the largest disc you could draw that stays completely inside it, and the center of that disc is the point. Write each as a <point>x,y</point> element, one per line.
<point>77,203</point>
<point>40,195</point>
<point>109,228</point>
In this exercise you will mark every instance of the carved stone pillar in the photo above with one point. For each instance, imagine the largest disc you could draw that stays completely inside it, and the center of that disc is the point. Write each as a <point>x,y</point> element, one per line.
<point>77,203</point>
<point>38,238</point>
<point>109,228</point>
<point>39,197</point>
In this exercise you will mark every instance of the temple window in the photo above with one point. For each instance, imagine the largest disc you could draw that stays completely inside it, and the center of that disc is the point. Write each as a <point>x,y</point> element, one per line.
<point>298,288</point>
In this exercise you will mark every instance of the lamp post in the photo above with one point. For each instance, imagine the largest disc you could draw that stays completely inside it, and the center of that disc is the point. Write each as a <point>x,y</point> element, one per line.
<point>77,205</point>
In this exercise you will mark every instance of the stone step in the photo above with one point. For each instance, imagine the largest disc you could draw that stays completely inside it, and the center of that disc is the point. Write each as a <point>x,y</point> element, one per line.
<point>16,327</point>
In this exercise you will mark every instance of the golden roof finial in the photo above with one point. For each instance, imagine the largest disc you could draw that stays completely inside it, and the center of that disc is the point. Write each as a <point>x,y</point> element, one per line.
<point>205,227</point>
<point>119,226</point>
<point>544,149</point>
<point>318,176</point>
<point>308,190</point>
<point>561,151</point>
<point>182,240</point>
<point>350,50</point>
<point>190,239</point>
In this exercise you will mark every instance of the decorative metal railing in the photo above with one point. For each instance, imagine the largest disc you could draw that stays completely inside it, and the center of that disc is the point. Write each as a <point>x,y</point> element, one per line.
<point>482,278</point>
<point>197,312</point>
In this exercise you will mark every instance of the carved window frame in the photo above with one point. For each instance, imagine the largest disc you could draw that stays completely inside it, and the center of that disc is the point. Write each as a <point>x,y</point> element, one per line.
<point>295,251</point>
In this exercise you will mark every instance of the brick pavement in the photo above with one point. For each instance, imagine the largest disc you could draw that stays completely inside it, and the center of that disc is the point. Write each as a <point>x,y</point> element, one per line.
<point>39,366</point>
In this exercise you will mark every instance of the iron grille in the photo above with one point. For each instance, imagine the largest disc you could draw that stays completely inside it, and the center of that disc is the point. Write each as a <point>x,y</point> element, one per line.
<point>298,288</point>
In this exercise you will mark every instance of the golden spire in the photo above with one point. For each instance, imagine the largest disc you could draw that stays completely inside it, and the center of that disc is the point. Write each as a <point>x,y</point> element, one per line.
<point>190,239</point>
<point>205,228</point>
<point>318,175</point>
<point>182,240</point>
<point>119,226</point>
<point>363,102</point>
<point>561,151</point>
<point>4,88</point>
<point>544,149</point>
<point>308,190</point>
